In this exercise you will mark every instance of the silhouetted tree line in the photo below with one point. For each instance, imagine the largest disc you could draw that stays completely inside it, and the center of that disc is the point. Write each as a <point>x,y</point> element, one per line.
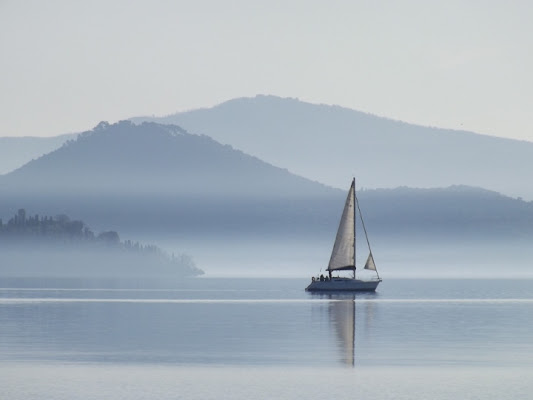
<point>21,225</point>
<point>61,228</point>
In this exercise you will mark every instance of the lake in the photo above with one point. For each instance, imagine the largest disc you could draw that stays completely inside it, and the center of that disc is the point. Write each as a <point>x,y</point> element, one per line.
<point>229,338</point>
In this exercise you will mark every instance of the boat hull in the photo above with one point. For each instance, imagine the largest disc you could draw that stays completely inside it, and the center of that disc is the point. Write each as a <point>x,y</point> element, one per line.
<point>343,285</point>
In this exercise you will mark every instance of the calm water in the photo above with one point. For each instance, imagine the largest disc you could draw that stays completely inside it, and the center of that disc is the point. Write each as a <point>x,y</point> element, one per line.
<point>265,338</point>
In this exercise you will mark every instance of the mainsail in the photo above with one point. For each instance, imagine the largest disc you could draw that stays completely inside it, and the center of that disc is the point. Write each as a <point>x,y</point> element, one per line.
<point>343,254</point>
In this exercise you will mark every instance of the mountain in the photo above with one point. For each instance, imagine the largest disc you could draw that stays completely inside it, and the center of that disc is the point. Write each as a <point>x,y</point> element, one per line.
<point>233,212</point>
<point>152,176</point>
<point>17,151</point>
<point>126,158</point>
<point>331,143</point>
<point>160,178</point>
<point>456,211</point>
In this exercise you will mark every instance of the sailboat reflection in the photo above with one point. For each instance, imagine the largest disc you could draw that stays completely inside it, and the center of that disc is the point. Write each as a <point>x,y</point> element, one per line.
<point>342,317</point>
<point>342,314</point>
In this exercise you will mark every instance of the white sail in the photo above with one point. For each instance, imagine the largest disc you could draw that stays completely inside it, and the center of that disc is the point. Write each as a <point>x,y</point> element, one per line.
<point>342,256</point>
<point>370,264</point>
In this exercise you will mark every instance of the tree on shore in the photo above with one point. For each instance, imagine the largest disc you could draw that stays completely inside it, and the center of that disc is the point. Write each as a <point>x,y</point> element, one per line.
<point>33,231</point>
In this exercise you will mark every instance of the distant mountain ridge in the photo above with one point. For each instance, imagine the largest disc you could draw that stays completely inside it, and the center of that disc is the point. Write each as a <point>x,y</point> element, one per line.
<point>228,209</point>
<point>159,178</point>
<point>17,151</point>
<point>460,211</point>
<point>154,177</point>
<point>125,158</point>
<point>331,143</point>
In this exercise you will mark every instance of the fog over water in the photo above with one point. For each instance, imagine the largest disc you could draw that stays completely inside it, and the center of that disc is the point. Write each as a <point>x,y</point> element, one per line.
<point>415,258</point>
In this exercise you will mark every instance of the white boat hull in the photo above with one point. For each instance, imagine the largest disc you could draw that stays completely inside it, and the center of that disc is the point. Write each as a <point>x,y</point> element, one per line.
<point>343,284</point>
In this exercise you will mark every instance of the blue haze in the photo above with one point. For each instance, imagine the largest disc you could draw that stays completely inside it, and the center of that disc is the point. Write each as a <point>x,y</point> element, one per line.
<point>236,214</point>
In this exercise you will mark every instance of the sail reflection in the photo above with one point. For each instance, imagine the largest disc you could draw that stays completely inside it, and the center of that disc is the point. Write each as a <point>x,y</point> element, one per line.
<point>342,317</point>
<point>344,321</point>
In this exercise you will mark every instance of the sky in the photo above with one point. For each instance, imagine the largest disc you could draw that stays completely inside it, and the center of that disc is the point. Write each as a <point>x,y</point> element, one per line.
<point>67,65</point>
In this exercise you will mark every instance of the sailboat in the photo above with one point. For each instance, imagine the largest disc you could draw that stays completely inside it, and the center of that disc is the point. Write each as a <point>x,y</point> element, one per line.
<point>343,254</point>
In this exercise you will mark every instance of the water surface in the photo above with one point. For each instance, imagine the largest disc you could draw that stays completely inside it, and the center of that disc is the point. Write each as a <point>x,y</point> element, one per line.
<point>234,338</point>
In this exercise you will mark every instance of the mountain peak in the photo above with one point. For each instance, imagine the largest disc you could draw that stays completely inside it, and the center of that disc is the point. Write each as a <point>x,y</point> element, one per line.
<point>330,143</point>
<point>154,158</point>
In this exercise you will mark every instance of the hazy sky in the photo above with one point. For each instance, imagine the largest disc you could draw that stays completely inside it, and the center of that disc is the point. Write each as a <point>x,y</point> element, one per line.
<point>66,65</point>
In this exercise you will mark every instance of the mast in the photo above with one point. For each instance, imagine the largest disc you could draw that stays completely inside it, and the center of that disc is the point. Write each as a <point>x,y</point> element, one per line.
<point>354,224</point>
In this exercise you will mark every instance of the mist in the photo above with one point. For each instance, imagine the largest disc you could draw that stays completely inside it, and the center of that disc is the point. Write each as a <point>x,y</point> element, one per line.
<point>409,258</point>
<point>236,215</point>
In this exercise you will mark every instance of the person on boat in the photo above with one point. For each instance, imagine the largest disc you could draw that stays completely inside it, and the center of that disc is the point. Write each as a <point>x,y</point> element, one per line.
<point>329,274</point>
<point>321,278</point>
